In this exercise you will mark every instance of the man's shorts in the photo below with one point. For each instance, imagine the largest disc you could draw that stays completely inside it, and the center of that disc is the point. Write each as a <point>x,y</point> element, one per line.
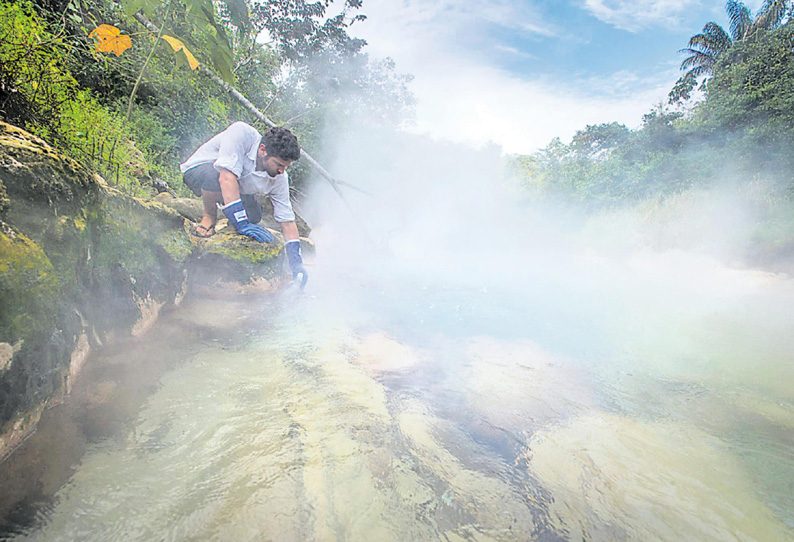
<point>206,177</point>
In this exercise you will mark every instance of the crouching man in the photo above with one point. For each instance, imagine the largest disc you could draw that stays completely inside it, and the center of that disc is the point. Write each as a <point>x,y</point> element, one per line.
<point>229,169</point>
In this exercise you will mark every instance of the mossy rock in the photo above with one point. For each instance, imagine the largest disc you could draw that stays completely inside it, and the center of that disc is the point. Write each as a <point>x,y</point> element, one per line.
<point>34,321</point>
<point>230,257</point>
<point>34,170</point>
<point>240,248</point>
<point>193,210</point>
<point>190,208</point>
<point>4,201</point>
<point>76,254</point>
<point>29,288</point>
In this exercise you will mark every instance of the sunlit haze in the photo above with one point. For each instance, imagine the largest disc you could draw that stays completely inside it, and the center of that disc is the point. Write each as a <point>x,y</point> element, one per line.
<point>518,73</point>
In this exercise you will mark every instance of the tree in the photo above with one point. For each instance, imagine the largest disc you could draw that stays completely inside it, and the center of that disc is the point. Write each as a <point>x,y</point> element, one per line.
<point>704,49</point>
<point>301,29</point>
<point>599,141</point>
<point>753,86</point>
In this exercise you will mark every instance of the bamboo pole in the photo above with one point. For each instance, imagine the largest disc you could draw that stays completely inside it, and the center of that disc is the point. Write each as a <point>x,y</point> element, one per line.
<point>206,71</point>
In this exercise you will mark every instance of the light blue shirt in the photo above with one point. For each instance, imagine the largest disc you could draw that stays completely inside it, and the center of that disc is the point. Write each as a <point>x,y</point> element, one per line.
<point>235,149</point>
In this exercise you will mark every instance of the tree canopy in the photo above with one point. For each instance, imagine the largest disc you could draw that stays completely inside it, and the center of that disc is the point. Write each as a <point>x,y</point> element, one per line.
<point>704,49</point>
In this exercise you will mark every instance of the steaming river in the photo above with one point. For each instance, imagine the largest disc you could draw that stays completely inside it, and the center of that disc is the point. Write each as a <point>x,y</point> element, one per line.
<point>645,406</point>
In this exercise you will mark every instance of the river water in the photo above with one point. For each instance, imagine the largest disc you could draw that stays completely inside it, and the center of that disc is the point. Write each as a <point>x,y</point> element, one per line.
<point>645,398</point>
<point>464,365</point>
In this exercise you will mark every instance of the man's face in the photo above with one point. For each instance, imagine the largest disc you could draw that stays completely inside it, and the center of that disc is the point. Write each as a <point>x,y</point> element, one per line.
<point>272,165</point>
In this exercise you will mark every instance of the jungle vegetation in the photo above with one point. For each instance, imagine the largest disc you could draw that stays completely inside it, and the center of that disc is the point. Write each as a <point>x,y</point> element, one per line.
<point>135,115</point>
<point>730,116</point>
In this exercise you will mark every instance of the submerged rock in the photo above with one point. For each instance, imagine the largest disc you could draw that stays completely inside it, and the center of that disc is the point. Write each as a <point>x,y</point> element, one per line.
<point>616,478</point>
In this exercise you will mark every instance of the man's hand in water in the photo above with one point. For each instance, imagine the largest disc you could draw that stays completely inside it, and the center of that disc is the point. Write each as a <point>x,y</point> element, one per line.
<point>293,249</point>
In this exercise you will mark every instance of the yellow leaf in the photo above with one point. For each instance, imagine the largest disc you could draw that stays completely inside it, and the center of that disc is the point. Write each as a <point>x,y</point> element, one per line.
<point>109,39</point>
<point>177,46</point>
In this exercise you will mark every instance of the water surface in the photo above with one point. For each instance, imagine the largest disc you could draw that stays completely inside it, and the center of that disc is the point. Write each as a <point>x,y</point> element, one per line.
<point>623,405</point>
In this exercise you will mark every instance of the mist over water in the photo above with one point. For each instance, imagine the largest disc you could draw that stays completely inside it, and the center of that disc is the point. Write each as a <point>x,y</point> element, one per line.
<point>648,314</point>
<point>465,364</point>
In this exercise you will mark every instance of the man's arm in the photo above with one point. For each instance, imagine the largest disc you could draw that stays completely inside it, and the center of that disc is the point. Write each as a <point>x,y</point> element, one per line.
<point>290,231</point>
<point>235,211</point>
<point>230,188</point>
<point>292,246</point>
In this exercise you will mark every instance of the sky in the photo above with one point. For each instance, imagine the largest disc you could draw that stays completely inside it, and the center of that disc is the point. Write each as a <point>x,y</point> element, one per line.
<point>518,73</point>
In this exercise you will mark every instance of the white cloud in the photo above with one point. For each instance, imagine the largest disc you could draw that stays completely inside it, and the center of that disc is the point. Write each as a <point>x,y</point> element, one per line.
<point>514,51</point>
<point>441,19</point>
<point>633,16</point>
<point>463,96</point>
<point>475,104</point>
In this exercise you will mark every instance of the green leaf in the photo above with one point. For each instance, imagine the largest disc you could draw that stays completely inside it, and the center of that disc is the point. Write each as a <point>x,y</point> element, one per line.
<point>223,64</point>
<point>238,9</point>
<point>197,7</point>
<point>132,7</point>
<point>181,60</point>
<point>219,29</point>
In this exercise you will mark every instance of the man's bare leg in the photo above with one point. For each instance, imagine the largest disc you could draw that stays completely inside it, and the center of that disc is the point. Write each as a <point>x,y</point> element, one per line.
<point>210,199</point>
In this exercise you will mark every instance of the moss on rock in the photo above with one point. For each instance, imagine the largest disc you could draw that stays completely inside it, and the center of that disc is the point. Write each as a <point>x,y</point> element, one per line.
<point>29,289</point>
<point>242,249</point>
<point>75,253</point>
<point>176,244</point>
<point>37,171</point>
<point>230,257</point>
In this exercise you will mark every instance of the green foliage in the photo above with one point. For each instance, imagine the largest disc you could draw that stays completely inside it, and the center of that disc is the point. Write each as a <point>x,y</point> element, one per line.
<point>35,86</point>
<point>598,141</point>
<point>682,90</point>
<point>754,84</point>
<point>40,94</point>
<point>301,30</point>
<point>743,129</point>
<point>739,140</point>
<point>197,21</point>
<point>313,78</point>
<point>705,49</point>
<point>327,81</point>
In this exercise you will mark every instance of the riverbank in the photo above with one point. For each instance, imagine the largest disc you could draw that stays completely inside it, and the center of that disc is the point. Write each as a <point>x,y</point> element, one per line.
<point>84,266</point>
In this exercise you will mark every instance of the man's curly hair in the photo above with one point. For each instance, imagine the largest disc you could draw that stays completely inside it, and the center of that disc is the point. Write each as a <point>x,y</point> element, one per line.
<point>281,143</point>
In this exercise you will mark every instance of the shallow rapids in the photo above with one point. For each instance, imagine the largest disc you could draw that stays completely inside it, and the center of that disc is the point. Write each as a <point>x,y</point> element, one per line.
<point>382,410</point>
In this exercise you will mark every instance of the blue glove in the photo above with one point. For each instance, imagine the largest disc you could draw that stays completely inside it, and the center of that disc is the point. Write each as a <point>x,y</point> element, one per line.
<point>293,249</point>
<point>238,218</point>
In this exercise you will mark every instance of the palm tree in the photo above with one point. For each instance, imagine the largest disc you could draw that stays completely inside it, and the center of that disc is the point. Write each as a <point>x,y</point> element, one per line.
<point>772,14</point>
<point>740,19</point>
<point>705,48</point>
